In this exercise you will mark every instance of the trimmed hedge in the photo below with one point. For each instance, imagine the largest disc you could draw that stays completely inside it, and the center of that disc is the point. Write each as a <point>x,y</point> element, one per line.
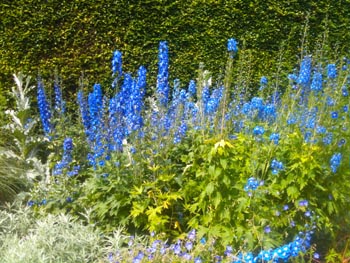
<point>77,37</point>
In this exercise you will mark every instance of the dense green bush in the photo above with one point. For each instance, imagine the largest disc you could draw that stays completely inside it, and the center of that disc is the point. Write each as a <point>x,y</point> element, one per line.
<point>76,38</point>
<point>252,172</point>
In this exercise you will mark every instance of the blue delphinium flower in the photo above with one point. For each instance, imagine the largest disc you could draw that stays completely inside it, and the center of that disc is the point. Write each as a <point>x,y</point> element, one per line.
<point>275,137</point>
<point>192,235</point>
<point>163,74</point>
<point>74,171</point>
<point>263,82</point>
<point>44,109</point>
<point>316,84</point>
<point>292,77</point>
<point>248,257</point>
<point>228,251</point>
<point>214,101</point>
<point>334,115</point>
<point>320,129</point>
<point>252,184</point>
<point>192,90</point>
<point>341,142</point>
<point>30,203</point>
<point>331,71</point>
<point>327,139</point>
<point>303,203</point>
<point>267,229</point>
<point>345,91</point>
<point>335,161</point>
<point>258,130</point>
<point>330,101</point>
<point>66,158</point>
<point>257,103</point>
<point>276,166</point>
<point>305,71</point>
<point>117,63</point>
<point>138,258</point>
<point>59,103</point>
<point>232,46</point>
<point>141,81</point>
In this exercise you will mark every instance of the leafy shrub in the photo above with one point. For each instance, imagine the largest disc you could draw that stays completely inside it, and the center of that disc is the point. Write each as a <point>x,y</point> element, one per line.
<point>252,171</point>
<point>50,239</point>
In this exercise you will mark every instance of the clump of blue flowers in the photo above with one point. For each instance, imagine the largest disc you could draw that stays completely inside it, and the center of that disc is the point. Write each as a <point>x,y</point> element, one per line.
<point>163,74</point>
<point>232,46</point>
<point>276,166</point>
<point>44,109</point>
<point>335,162</point>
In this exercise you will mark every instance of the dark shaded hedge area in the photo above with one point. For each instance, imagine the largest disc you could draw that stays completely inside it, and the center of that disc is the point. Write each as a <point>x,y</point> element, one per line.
<point>77,37</point>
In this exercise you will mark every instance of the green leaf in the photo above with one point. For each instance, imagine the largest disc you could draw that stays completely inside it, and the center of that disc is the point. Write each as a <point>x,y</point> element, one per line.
<point>223,163</point>
<point>293,192</point>
<point>209,189</point>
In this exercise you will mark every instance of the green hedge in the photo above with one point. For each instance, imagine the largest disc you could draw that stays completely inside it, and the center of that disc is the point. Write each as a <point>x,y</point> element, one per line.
<point>77,37</point>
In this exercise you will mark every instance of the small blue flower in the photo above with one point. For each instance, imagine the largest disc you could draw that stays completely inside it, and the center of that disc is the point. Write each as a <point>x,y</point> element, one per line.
<point>341,142</point>
<point>192,88</point>
<point>303,203</point>
<point>335,161</point>
<point>276,166</point>
<point>275,138</point>
<point>334,115</point>
<point>252,184</point>
<point>331,71</point>
<point>192,235</point>
<point>189,245</point>
<point>232,46</point>
<point>316,83</point>
<point>30,203</point>
<point>292,77</point>
<point>258,130</point>
<point>263,80</point>
<point>345,91</point>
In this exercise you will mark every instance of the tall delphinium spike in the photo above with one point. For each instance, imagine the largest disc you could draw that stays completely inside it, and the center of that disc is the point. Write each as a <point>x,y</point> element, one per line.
<point>59,103</point>
<point>117,70</point>
<point>232,48</point>
<point>138,94</point>
<point>44,109</point>
<point>97,128</point>
<point>163,74</point>
<point>134,90</point>
<point>316,83</point>
<point>304,78</point>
